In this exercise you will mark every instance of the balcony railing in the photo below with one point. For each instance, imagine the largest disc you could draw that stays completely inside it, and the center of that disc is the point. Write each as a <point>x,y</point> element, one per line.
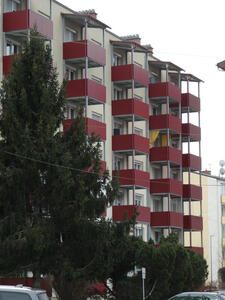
<point>164,154</point>
<point>198,250</point>
<point>164,219</point>
<point>131,177</point>
<point>27,19</point>
<point>191,161</point>
<point>128,142</point>
<point>86,87</point>
<point>126,73</point>
<point>98,128</point>
<point>193,192</point>
<point>193,223</point>
<point>165,121</point>
<point>166,186</point>
<point>126,212</point>
<point>78,50</point>
<point>164,89</point>
<point>129,107</point>
<point>192,131</point>
<point>7,64</point>
<point>190,101</point>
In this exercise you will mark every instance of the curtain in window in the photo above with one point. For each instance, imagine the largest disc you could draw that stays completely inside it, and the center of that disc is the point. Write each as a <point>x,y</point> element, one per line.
<point>153,136</point>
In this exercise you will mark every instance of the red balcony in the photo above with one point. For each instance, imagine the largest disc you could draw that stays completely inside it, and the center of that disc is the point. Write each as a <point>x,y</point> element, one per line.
<point>164,154</point>
<point>129,107</point>
<point>193,192</point>
<point>126,73</point>
<point>7,64</point>
<point>190,101</point>
<point>166,186</point>
<point>128,142</point>
<point>86,87</point>
<point>91,126</point>
<point>167,218</point>
<point>164,122</point>
<point>76,51</point>
<point>198,250</point>
<point>193,223</point>
<point>126,212</point>
<point>128,178</point>
<point>191,161</point>
<point>27,19</point>
<point>164,89</point>
<point>192,131</point>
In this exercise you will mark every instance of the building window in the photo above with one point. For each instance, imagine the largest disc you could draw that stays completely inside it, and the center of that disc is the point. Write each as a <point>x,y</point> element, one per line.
<point>117,59</point>
<point>138,231</point>
<point>70,35</point>
<point>96,116</point>
<point>157,205</point>
<point>118,94</point>
<point>139,200</point>
<point>138,165</point>
<point>138,131</point>
<point>118,128</point>
<point>118,162</point>
<point>13,5</point>
<point>71,112</point>
<point>11,47</point>
<point>71,74</point>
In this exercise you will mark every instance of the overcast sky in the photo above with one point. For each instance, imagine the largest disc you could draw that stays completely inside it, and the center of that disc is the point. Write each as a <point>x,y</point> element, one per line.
<point>187,33</point>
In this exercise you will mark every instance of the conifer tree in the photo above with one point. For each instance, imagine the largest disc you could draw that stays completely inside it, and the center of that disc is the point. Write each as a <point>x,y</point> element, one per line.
<point>52,188</point>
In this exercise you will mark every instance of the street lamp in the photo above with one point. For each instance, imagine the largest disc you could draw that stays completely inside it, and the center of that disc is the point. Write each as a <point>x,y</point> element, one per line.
<point>143,271</point>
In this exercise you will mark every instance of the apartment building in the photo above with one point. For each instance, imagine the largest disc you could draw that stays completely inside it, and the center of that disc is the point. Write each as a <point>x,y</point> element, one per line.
<point>145,110</point>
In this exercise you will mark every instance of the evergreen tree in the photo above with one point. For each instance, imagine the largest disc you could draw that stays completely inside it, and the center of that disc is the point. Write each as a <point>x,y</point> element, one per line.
<point>53,190</point>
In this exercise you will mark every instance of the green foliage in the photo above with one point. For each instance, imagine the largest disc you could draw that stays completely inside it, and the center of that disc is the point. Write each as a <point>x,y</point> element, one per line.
<point>53,190</point>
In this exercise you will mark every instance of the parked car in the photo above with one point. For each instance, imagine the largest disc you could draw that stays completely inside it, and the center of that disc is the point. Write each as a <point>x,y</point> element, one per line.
<point>20,292</point>
<point>198,296</point>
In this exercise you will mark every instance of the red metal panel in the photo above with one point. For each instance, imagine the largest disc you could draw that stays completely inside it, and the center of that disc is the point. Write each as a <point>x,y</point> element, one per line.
<point>193,222</point>
<point>164,89</point>
<point>171,154</point>
<point>167,219</point>
<point>130,142</point>
<point>198,250</point>
<point>27,281</point>
<point>98,128</point>
<point>27,19</point>
<point>189,100</point>
<point>133,177</point>
<point>128,211</point>
<point>191,161</point>
<point>166,186</point>
<point>86,87</point>
<point>165,121</point>
<point>83,48</point>
<point>192,191</point>
<point>129,72</point>
<point>91,126</point>
<point>130,106</point>
<point>191,130</point>
<point>7,64</point>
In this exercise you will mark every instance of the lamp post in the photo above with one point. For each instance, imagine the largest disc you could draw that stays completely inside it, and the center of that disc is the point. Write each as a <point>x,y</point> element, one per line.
<point>143,271</point>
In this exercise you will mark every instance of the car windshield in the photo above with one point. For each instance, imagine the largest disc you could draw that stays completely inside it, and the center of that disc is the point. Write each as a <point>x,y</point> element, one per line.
<point>42,296</point>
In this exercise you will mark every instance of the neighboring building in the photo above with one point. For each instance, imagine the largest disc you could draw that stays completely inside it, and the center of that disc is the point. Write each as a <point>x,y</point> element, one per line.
<point>214,223</point>
<point>135,102</point>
